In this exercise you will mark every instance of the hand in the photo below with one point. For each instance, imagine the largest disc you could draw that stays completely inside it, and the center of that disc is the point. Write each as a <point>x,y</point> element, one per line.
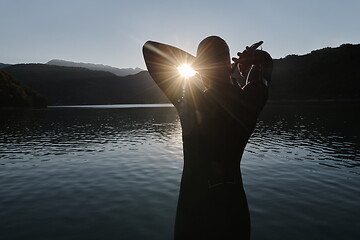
<point>250,56</point>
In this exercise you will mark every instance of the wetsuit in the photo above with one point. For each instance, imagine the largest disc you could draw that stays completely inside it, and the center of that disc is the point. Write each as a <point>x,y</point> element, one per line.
<point>216,125</point>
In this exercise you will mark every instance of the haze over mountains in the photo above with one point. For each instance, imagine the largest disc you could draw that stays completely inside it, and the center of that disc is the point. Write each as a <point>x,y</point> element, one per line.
<point>329,73</point>
<point>97,67</point>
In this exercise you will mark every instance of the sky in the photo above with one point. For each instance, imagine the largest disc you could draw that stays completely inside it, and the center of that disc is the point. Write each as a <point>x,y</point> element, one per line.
<point>112,32</point>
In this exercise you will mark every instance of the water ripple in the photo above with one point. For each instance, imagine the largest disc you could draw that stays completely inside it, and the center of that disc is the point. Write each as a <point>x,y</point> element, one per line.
<point>117,172</point>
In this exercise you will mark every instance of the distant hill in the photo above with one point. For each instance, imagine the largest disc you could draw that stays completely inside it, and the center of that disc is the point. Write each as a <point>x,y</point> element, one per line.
<point>15,94</point>
<point>3,65</point>
<point>329,73</point>
<point>69,85</point>
<point>98,67</point>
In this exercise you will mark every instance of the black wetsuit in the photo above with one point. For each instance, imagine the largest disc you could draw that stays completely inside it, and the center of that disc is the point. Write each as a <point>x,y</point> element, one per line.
<point>216,126</point>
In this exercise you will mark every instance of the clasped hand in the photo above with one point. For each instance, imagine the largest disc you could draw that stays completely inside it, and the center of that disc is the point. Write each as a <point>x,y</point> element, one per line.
<point>250,56</point>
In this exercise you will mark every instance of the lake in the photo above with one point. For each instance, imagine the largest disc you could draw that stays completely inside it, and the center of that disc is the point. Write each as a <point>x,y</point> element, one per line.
<point>113,172</point>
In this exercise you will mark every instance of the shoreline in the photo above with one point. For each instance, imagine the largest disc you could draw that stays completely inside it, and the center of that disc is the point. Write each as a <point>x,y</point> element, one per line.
<point>161,105</point>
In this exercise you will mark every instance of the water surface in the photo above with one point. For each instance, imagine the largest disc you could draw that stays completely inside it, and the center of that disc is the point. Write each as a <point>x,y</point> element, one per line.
<point>109,172</point>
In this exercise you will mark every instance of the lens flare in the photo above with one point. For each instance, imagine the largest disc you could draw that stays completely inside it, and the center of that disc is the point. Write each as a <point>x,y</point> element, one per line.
<point>186,71</point>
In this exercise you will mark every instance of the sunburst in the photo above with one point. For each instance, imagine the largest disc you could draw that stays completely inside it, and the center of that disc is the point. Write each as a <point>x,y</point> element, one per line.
<point>186,71</point>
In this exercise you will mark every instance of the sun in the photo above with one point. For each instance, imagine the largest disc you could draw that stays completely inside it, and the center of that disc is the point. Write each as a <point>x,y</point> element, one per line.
<point>186,71</point>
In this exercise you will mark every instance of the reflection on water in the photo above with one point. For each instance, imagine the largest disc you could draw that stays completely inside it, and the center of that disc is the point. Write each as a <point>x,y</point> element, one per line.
<point>301,172</point>
<point>113,173</point>
<point>327,134</point>
<point>30,134</point>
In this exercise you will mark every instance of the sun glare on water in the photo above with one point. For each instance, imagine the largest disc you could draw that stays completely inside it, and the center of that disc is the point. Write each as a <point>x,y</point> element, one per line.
<point>186,71</point>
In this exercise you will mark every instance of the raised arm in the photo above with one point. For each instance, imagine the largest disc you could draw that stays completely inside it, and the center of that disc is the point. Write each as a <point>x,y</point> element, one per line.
<point>162,61</point>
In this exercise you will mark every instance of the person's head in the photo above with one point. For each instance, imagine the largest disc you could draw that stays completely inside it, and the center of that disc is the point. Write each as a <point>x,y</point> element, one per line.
<point>213,61</point>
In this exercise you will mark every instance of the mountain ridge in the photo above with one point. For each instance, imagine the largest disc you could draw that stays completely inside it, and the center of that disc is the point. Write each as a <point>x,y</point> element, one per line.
<point>4,65</point>
<point>74,85</point>
<point>328,73</point>
<point>97,67</point>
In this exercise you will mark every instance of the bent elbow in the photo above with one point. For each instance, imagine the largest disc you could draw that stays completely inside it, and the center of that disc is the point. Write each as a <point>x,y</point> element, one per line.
<point>148,46</point>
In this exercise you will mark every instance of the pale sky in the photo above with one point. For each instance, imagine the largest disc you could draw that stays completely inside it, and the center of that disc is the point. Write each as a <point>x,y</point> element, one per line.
<point>112,32</point>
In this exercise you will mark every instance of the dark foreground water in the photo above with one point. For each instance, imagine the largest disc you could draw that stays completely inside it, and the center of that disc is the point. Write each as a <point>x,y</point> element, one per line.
<point>113,173</point>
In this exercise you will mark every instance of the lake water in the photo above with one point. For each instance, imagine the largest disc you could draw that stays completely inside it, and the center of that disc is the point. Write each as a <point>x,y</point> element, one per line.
<point>108,172</point>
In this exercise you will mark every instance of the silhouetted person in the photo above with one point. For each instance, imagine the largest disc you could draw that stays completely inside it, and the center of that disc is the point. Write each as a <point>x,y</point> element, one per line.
<point>216,125</point>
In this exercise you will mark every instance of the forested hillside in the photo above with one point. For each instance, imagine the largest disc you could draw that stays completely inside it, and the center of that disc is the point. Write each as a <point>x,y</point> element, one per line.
<point>329,73</point>
<point>15,94</point>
